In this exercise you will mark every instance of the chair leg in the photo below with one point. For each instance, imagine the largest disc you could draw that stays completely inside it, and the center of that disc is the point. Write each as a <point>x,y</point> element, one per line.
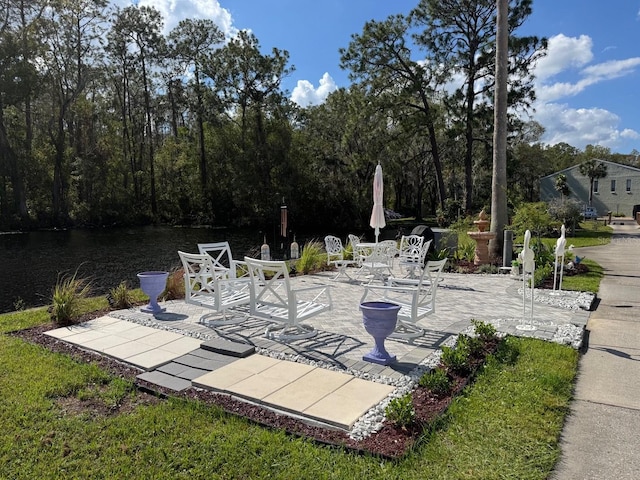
<point>406,331</point>
<point>298,332</point>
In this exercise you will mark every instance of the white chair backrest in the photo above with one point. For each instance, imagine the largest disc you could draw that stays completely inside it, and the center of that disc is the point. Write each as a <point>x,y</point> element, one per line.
<point>353,240</point>
<point>220,253</point>
<point>428,282</point>
<point>270,283</point>
<point>199,273</point>
<point>410,245</point>
<point>333,246</point>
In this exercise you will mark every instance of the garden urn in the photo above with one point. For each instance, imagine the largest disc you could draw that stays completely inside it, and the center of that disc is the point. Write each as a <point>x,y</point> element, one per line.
<point>153,284</point>
<point>379,319</point>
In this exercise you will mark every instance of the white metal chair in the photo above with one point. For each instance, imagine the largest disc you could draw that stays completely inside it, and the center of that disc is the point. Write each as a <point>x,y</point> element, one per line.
<point>417,298</point>
<point>208,286</point>
<point>354,240</point>
<point>335,256</point>
<point>273,298</point>
<point>378,261</point>
<point>222,259</point>
<point>413,257</point>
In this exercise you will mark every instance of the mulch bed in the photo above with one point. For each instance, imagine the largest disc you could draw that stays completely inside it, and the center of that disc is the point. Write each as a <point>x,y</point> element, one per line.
<point>390,442</point>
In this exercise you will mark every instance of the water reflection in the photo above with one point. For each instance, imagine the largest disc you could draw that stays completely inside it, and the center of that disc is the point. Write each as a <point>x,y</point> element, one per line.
<point>30,263</point>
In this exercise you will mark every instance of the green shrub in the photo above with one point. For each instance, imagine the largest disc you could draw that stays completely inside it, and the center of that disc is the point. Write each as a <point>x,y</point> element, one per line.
<point>473,345</point>
<point>312,259</point>
<point>400,411</point>
<point>485,331</point>
<point>437,381</point>
<point>66,298</point>
<point>488,268</point>
<point>120,297</point>
<point>541,274</point>
<point>456,359</point>
<point>466,251</point>
<point>534,217</point>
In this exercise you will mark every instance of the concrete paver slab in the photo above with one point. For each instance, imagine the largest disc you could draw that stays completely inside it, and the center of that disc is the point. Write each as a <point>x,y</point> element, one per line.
<point>158,338</point>
<point>126,350</point>
<point>108,341</point>
<point>151,359</point>
<point>270,380</point>
<point>307,390</point>
<point>349,402</point>
<point>182,345</point>
<point>235,372</point>
<point>235,349</point>
<point>168,381</point>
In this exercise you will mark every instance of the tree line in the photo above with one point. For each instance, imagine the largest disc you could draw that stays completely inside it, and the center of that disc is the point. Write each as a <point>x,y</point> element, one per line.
<point>105,120</point>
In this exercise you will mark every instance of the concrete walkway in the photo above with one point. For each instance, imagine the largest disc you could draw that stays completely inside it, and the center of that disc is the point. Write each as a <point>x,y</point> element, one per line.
<point>601,439</point>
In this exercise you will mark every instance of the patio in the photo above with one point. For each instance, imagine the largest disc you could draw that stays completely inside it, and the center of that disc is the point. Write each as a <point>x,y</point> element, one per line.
<point>322,379</point>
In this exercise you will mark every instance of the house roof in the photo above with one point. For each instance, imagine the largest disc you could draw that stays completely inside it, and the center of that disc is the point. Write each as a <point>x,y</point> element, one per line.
<point>606,162</point>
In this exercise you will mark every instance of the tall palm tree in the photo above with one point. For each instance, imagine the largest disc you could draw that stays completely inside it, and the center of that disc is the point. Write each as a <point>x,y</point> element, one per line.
<point>594,170</point>
<point>499,215</point>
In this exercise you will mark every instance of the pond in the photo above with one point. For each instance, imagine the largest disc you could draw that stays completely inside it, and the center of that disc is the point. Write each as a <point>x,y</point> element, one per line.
<point>32,262</point>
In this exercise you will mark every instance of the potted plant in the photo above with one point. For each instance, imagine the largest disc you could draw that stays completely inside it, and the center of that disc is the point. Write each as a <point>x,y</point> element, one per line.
<point>515,268</point>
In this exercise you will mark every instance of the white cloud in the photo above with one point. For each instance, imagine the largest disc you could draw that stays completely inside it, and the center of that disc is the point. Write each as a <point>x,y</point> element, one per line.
<point>564,52</point>
<point>305,94</point>
<point>175,10</point>
<point>569,58</point>
<point>580,127</point>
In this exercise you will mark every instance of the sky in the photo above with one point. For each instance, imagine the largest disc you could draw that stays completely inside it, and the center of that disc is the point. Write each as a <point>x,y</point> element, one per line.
<point>587,85</point>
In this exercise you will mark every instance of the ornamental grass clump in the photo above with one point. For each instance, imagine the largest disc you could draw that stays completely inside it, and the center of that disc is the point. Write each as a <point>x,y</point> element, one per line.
<point>120,297</point>
<point>312,259</point>
<point>66,298</point>
<point>175,285</point>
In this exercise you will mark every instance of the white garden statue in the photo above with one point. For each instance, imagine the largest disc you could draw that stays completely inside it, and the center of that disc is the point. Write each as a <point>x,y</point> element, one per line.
<point>561,244</point>
<point>527,259</point>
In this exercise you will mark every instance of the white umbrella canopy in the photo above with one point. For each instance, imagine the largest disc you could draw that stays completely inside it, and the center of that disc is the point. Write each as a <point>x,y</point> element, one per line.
<point>377,214</point>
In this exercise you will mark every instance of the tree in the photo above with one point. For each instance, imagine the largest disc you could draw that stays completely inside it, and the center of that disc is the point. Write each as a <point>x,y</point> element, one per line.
<point>594,170</point>
<point>562,186</point>
<point>460,37</point>
<point>381,58</point>
<point>499,214</point>
<point>191,42</point>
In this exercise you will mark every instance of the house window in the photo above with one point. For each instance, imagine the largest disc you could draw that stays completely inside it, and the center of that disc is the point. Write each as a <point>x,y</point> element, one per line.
<point>628,185</point>
<point>595,185</point>
<point>613,186</point>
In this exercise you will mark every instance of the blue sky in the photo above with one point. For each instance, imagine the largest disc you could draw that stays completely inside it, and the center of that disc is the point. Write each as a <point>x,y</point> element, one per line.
<point>587,85</point>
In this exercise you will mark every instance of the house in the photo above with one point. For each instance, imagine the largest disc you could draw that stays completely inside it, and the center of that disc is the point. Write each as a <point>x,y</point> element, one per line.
<point>617,193</point>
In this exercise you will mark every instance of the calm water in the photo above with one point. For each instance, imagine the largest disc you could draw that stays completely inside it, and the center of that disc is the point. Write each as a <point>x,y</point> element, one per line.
<point>30,263</point>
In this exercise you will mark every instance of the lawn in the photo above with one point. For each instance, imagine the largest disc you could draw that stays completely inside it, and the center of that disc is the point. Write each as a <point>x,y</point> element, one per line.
<point>64,419</point>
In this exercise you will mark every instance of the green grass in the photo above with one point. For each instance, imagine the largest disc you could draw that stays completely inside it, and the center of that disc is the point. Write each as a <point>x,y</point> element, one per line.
<point>585,282</point>
<point>506,425</point>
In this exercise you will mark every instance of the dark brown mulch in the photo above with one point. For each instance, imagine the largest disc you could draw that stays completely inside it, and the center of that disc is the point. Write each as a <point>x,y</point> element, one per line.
<point>390,442</point>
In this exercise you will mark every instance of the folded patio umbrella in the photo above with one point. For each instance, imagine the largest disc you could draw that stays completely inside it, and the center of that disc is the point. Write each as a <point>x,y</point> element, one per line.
<point>377,214</point>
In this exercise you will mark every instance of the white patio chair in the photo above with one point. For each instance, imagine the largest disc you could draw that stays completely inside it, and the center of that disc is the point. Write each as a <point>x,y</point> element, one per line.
<point>378,261</point>
<point>222,259</point>
<point>208,286</point>
<point>335,256</point>
<point>411,258</point>
<point>354,240</point>
<point>273,298</point>
<point>417,298</point>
